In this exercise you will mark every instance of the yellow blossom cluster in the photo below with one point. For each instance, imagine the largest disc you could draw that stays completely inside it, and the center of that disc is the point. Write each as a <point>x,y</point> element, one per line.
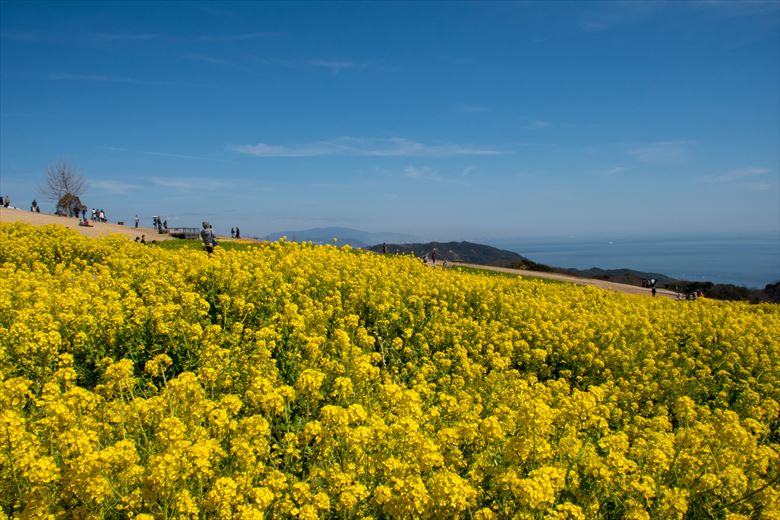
<point>289,380</point>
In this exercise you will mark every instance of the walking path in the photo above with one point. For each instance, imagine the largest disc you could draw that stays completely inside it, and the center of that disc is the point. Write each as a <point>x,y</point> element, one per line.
<point>96,230</point>
<point>602,284</point>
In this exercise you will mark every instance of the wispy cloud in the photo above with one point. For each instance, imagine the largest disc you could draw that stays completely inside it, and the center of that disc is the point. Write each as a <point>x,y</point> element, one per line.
<point>114,186</point>
<point>614,170</point>
<point>535,124</point>
<point>759,186</point>
<point>176,155</point>
<point>336,66</point>
<point>164,154</point>
<point>730,8</point>
<point>661,151</point>
<point>186,184</point>
<point>332,65</point>
<point>77,37</point>
<point>100,78</point>
<point>21,36</point>
<point>740,174</point>
<point>470,109</point>
<point>213,60</point>
<point>424,172</point>
<point>428,174</point>
<point>123,37</point>
<point>238,37</point>
<point>350,146</point>
<point>605,15</point>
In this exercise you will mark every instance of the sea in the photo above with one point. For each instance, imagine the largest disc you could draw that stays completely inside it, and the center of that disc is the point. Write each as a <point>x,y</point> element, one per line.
<point>749,261</point>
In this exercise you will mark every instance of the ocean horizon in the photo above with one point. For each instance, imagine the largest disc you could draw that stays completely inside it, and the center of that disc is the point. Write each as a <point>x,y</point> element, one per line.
<point>749,261</point>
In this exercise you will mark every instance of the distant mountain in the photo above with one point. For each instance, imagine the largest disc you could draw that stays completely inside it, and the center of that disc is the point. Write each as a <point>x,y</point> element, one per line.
<point>353,237</point>
<point>467,252</point>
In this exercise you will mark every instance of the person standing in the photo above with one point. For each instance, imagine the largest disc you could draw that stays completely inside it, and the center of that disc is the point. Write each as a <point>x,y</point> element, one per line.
<point>136,221</point>
<point>384,248</point>
<point>238,232</point>
<point>207,235</point>
<point>232,232</point>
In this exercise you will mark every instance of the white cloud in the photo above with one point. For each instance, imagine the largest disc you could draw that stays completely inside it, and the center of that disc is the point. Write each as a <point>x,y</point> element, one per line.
<point>205,58</point>
<point>100,78</point>
<point>351,146</point>
<point>336,66</point>
<point>176,155</point>
<point>737,175</point>
<point>423,172</point>
<point>614,170</point>
<point>759,186</point>
<point>661,151</point>
<point>535,124</point>
<point>186,184</point>
<point>602,16</point>
<point>730,8</point>
<point>237,37</point>
<point>428,174</point>
<point>114,186</point>
<point>125,37</point>
<point>470,109</point>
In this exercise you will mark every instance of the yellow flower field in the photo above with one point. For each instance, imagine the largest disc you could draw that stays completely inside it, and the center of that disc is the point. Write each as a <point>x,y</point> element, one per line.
<point>298,381</point>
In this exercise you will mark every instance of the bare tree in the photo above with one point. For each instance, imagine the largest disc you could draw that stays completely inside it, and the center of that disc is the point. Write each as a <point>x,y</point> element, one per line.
<point>63,185</point>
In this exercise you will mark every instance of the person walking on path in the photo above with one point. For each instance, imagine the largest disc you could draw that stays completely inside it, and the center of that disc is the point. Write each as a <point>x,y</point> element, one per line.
<point>238,232</point>
<point>232,232</point>
<point>136,221</point>
<point>433,257</point>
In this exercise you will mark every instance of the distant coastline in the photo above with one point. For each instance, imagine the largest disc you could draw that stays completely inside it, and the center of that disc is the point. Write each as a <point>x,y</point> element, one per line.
<point>481,254</point>
<point>748,261</point>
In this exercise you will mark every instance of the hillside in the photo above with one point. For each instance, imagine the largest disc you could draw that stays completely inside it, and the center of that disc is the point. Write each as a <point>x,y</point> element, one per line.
<point>466,252</point>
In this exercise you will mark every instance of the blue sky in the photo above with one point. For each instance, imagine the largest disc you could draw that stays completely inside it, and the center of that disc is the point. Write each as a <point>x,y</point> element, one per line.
<point>466,120</point>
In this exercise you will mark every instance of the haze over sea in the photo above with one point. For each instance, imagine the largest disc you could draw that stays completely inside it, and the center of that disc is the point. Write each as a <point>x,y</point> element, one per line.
<point>750,261</point>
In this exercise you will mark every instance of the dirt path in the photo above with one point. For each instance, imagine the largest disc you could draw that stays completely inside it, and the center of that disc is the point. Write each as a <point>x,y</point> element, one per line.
<point>98,228</point>
<point>602,284</point>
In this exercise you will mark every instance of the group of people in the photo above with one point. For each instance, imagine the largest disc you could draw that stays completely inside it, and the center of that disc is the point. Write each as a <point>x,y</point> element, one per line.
<point>98,215</point>
<point>159,224</point>
<point>34,207</point>
<point>235,232</point>
<point>142,240</point>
